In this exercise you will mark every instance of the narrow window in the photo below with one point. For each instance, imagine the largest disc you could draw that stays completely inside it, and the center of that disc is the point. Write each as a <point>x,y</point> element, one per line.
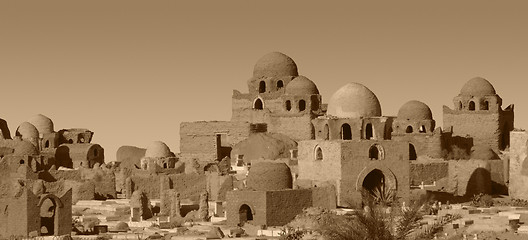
<point>21,161</point>
<point>318,153</point>
<point>258,104</point>
<point>422,129</point>
<point>262,87</point>
<point>46,145</point>
<point>346,132</point>
<point>412,152</point>
<point>368,131</point>
<point>288,105</point>
<point>459,105</point>
<point>280,84</point>
<point>409,129</point>
<point>484,106</point>
<point>302,105</point>
<point>471,106</point>
<point>374,152</point>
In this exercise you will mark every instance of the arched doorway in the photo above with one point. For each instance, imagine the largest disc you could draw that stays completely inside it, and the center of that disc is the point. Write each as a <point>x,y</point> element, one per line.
<point>48,214</point>
<point>369,133</point>
<point>374,182</point>
<point>412,152</point>
<point>245,214</point>
<point>471,106</point>
<point>346,132</point>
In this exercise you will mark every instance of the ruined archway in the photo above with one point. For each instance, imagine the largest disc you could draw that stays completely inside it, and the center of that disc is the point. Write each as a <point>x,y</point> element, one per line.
<point>49,206</point>
<point>377,179</point>
<point>245,214</point>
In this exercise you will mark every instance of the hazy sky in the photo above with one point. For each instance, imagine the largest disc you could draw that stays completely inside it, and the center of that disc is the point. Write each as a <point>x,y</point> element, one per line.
<point>132,71</point>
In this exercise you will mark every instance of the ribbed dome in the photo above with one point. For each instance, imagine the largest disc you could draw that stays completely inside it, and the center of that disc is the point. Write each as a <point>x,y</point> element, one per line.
<point>27,131</point>
<point>415,110</point>
<point>301,85</point>
<point>269,176</point>
<point>24,148</point>
<point>158,149</point>
<point>275,64</point>
<point>354,101</point>
<point>478,87</point>
<point>42,123</point>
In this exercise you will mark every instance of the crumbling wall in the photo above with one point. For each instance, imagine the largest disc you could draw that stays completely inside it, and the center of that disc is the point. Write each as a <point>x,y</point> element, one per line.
<point>283,206</point>
<point>82,181</point>
<point>469,177</point>
<point>297,127</point>
<point>518,165</point>
<point>428,172</point>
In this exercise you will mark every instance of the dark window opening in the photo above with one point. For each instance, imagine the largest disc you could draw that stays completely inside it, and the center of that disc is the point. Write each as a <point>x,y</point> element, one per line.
<point>409,129</point>
<point>471,106</point>
<point>484,106</point>
<point>21,161</point>
<point>459,105</point>
<point>47,144</point>
<point>422,129</point>
<point>326,132</point>
<point>412,152</point>
<point>258,104</point>
<point>374,153</point>
<point>369,131</point>
<point>318,154</point>
<point>164,165</point>
<point>288,105</point>
<point>81,140</point>
<point>262,87</point>
<point>374,182</point>
<point>302,105</point>
<point>346,132</point>
<point>70,141</point>
<point>245,214</point>
<point>280,84</point>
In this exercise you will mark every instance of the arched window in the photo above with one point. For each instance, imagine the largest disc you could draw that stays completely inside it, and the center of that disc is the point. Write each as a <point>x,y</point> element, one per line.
<point>288,105</point>
<point>302,105</point>
<point>326,132</point>
<point>484,105</point>
<point>376,152</point>
<point>412,152</point>
<point>280,84</point>
<point>46,145</point>
<point>346,132</point>
<point>471,106</point>
<point>369,132</point>
<point>318,153</point>
<point>258,104</point>
<point>262,87</point>
<point>422,129</point>
<point>409,129</point>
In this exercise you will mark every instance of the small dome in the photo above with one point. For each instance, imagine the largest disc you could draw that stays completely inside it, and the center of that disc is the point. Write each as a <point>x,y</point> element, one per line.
<point>415,110</point>
<point>478,87</point>
<point>24,148</point>
<point>121,227</point>
<point>301,85</point>
<point>42,123</point>
<point>158,149</point>
<point>275,64</point>
<point>27,131</point>
<point>269,176</point>
<point>354,101</point>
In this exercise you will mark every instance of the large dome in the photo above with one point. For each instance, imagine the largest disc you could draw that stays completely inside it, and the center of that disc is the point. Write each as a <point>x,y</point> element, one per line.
<point>27,131</point>
<point>478,87</point>
<point>301,85</point>
<point>24,148</point>
<point>275,64</point>
<point>42,123</point>
<point>354,101</point>
<point>157,149</point>
<point>269,146</point>
<point>269,176</point>
<point>415,110</point>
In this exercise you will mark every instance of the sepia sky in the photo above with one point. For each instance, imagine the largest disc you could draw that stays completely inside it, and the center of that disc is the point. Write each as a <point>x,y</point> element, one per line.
<point>132,71</point>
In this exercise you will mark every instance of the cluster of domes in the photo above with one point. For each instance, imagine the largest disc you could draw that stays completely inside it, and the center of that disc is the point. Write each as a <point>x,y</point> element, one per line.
<point>158,149</point>
<point>478,87</point>
<point>275,64</point>
<point>354,101</point>
<point>415,110</point>
<point>301,85</point>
